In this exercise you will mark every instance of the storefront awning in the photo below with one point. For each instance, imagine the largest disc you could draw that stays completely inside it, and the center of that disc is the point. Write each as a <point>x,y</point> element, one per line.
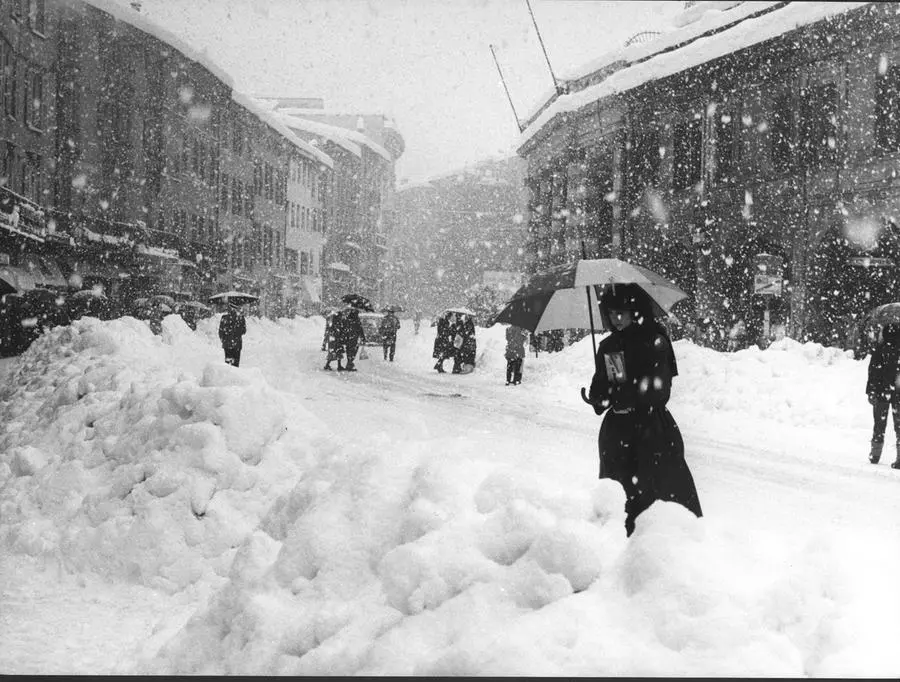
<point>44,270</point>
<point>13,279</point>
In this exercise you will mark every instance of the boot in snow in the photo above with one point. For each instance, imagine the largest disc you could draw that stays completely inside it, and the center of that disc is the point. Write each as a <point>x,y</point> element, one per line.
<point>875,452</point>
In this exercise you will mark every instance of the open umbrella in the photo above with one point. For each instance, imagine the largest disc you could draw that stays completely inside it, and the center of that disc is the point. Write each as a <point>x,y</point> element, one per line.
<point>889,313</point>
<point>358,301</point>
<point>162,300</point>
<point>234,297</point>
<point>458,309</point>
<point>392,309</point>
<point>567,296</point>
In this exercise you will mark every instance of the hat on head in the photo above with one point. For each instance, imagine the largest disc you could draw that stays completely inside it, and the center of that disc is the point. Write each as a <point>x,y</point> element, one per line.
<point>627,297</point>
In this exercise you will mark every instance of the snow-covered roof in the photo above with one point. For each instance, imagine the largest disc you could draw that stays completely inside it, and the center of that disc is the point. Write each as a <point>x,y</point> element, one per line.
<point>275,123</point>
<point>329,132</point>
<point>142,23</point>
<point>352,135</point>
<point>708,37</point>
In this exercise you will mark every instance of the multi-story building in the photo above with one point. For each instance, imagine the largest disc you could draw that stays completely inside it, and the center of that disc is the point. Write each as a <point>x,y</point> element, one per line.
<point>359,238</point>
<point>459,230</point>
<point>132,164</point>
<point>745,154</point>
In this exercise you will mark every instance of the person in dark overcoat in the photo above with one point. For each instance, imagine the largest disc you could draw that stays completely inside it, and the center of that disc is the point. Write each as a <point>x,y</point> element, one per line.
<point>443,340</point>
<point>388,329</point>
<point>640,445</point>
<point>349,331</point>
<point>882,390</point>
<point>232,328</point>
<point>331,341</point>
<point>464,358</point>
<point>515,353</point>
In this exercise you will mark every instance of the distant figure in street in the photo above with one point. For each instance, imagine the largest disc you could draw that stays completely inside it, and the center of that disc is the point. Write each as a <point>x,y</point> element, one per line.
<point>349,332</point>
<point>515,353</point>
<point>639,443</point>
<point>232,328</point>
<point>388,330</point>
<point>331,343</point>
<point>464,345</point>
<point>882,390</point>
<point>443,340</point>
<point>417,320</point>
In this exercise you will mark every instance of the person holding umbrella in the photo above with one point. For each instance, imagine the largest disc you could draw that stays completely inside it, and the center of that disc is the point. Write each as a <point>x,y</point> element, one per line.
<point>639,443</point>
<point>881,384</point>
<point>232,328</point>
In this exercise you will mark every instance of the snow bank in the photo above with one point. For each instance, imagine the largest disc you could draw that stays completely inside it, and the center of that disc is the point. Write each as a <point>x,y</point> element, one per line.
<point>141,457</point>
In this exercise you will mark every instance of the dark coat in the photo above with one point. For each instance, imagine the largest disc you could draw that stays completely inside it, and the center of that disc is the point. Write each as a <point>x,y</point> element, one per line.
<point>468,350</point>
<point>347,328</point>
<point>232,328</point>
<point>884,367</point>
<point>515,342</point>
<point>388,328</point>
<point>443,339</point>
<point>640,444</point>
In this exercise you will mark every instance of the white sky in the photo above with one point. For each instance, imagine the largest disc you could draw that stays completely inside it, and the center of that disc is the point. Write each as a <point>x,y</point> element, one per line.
<point>163,512</point>
<point>425,63</point>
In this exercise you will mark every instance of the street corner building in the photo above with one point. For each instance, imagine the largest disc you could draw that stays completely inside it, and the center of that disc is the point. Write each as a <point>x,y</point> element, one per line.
<point>130,164</point>
<point>749,153</point>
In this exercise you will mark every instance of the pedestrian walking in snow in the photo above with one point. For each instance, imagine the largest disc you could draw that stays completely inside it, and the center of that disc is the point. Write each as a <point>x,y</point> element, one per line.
<point>417,321</point>
<point>515,353</point>
<point>349,332</point>
<point>331,343</point>
<point>464,344</point>
<point>443,340</point>
<point>232,328</point>
<point>640,445</point>
<point>882,390</point>
<point>388,330</point>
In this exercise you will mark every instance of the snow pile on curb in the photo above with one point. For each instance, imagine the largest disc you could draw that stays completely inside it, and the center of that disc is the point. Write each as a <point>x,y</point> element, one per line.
<point>422,564</point>
<point>141,457</point>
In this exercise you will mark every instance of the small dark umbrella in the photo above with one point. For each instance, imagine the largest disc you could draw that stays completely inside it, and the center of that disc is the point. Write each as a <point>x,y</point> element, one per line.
<point>234,298</point>
<point>358,301</point>
<point>392,309</point>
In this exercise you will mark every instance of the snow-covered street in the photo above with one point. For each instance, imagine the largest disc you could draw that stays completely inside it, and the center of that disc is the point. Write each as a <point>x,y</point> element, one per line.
<point>165,513</point>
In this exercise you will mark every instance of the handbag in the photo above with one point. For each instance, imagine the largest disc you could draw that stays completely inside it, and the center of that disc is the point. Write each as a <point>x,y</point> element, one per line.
<point>457,341</point>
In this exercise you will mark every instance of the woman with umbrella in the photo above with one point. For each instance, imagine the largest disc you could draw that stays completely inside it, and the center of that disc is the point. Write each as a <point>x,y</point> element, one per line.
<point>639,443</point>
<point>883,375</point>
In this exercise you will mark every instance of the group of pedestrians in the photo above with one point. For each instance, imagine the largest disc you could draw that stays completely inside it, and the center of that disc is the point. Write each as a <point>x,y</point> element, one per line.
<point>343,334</point>
<point>455,339</point>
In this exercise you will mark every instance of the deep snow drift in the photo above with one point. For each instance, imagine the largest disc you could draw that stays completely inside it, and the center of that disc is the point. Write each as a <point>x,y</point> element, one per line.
<point>276,519</point>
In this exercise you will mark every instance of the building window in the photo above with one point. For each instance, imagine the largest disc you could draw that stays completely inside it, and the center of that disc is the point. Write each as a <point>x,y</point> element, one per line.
<point>304,263</point>
<point>643,162</point>
<point>725,124</point>
<point>9,85</point>
<point>687,153</point>
<point>36,16</point>
<point>781,133</point>
<point>887,110</point>
<point>818,124</point>
<point>34,98</point>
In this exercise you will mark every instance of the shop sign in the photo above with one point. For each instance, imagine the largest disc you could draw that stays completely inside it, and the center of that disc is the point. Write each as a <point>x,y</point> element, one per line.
<point>768,275</point>
<point>870,262</point>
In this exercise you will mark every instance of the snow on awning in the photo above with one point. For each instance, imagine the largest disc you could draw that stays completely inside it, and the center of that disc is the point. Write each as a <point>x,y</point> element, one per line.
<point>337,265</point>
